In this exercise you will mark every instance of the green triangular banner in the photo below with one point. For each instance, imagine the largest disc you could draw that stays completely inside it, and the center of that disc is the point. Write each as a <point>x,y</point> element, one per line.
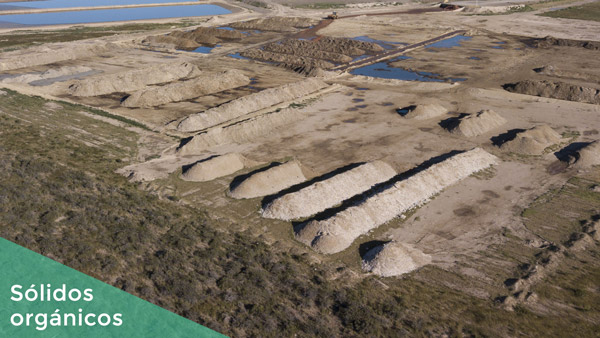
<point>23,313</point>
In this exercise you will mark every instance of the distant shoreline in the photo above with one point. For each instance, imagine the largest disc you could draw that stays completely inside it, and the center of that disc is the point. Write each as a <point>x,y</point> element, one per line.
<point>72,9</point>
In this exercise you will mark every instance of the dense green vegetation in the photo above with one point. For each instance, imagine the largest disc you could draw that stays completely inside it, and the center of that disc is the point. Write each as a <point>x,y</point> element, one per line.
<point>589,11</point>
<point>59,196</point>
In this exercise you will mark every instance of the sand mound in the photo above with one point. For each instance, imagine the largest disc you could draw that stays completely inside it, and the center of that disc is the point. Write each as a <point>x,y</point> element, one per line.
<point>424,111</point>
<point>325,194</point>
<point>189,40</point>
<point>52,53</point>
<point>555,90</point>
<point>308,52</point>
<point>477,124</point>
<point>214,167</point>
<point>49,74</point>
<point>185,90</point>
<point>325,43</point>
<point>551,41</point>
<point>394,259</point>
<point>278,24</point>
<point>241,132</point>
<point>532,141</point>
<point>337,232</point>
<point>133,80</point>
<point>270,181</point>
<point>250,103</point>
<point>588,156</point>
<point>286,59</point>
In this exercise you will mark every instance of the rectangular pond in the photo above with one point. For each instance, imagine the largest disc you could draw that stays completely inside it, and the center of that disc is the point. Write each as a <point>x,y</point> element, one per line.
<point>82,3</point>
<point>108,15</point>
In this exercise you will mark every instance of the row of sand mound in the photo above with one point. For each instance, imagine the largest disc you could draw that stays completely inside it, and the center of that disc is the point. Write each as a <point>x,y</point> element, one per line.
<point>240,132</point>
<point>551,41</point>
<point>133,80</point>
<point>555,90</point>
<point>587,156</point>
<point>394,259</point>
<point>189,40</point>
<point>270,181</point>
<point>250,103</point>
<point>214,167</point>
<point>423,111</point>
<point>286,59</point>
<point>307,52</point>
<point>186,90</point>
<point>52,53</point>
<point>277,24</point>
<point>476,124</point>
<point>337,232</point>
<point>325,194</point>
<point>532,141</point>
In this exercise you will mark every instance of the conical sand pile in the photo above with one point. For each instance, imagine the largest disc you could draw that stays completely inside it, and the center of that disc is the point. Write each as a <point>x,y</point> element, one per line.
<point>337,232</point>
<point>133,80</point>
<point>532,141</point>
<point>185,90</point>
<point>477,124</point>
<point>328,193</point>
<point>250,103</point>
<point>425,111</point>
<point>213,168</point>
<point>394,259</point>
<point>269,181</point>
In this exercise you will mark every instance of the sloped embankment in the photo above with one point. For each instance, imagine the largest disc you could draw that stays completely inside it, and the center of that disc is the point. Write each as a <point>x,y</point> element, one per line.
<point>556,90</point>
<point>205,84</point>
<point>194,38</point>
<point>277,24</point>
<point>250,103</point>
<point>240,132</point>
<point>133,80</point>
<point>337,232</point>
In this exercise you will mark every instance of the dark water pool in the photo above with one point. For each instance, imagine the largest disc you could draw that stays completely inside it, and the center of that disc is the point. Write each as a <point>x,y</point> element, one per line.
<point>385,71</point>
<point>108,15</point>
<point>449,42</point>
